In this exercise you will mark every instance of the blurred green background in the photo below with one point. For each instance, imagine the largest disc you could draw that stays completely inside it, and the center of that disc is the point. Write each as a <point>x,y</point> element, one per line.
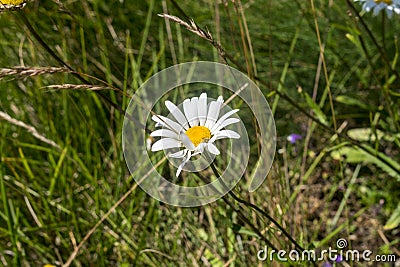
<point>318,58</point>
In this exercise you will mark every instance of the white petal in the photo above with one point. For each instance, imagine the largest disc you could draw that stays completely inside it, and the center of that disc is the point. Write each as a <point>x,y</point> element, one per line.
<point>168,123</point>
<point>223,118</point>
<point>225,134</point>
<point>164,133</point>
<point>190,109</point>
<point>224,124</point>
<point>199,149</point>
<point>165,143</point>
<point>177,113</point>
<point>389,12</point>
<point>202,108</point>
<point>183,164</point>
<point>212,148</point>
<point>186,141</point>
<point>180,169</point>
<point>179,154</point>
<point>378,8</point>
<point>213,112</point>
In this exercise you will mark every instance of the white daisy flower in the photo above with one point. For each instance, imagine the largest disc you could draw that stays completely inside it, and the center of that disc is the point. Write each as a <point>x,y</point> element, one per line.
<point>377,5</point>
<point>6,5</point>
<point>195,129</point>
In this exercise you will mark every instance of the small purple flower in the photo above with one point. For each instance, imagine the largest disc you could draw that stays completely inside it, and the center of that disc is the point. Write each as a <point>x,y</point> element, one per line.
<point>327,264</point>
<point>339,258</point>
<point>292,138</point>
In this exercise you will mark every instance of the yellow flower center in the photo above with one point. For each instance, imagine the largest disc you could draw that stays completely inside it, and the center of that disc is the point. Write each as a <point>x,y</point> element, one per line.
<point>12,2</point>
<point>198,134</point>
<point>388,2</point>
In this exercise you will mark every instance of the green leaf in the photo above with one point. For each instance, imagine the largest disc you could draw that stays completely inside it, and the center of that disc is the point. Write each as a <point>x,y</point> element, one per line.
<point>367,134</point>
<point>394,220</point>
<point>347,100</point>
<point>357,155</point>
<point>354,40</point>
<point>243,230</point>
<point>315,108</point>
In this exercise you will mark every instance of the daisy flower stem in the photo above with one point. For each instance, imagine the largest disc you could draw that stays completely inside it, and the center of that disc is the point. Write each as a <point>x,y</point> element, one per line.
<point>243,217</point>
<point>262,212</point>
<point>240,213</point>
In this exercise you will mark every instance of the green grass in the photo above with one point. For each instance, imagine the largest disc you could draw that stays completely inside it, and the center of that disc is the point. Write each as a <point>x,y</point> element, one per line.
<point>333,183</point>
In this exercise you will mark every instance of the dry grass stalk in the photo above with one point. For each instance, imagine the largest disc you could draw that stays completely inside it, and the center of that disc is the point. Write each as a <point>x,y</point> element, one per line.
<point>29,128</point>
<point>77,87</point>
<point>23,72</point>
<point>194,28</point>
